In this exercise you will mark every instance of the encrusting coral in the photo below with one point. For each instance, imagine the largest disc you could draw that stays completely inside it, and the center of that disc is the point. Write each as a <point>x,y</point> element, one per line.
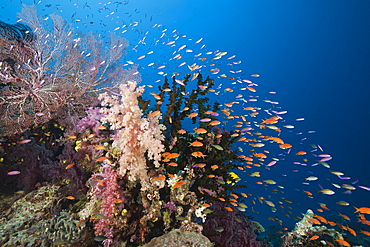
<point>181,239</point>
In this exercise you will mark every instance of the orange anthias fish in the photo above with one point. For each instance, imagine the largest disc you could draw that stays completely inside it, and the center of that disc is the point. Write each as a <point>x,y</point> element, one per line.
<point>213,123</point>
<point>192,115</point>
<point>181,131</point>
<point>198,154</point>
<point>344,216</point>
<point>99,147</point>
<point>324,207</point>
<point>100,182</point>
<point>196,144</point>
<point>172,156</point>
<point>365,232</point>
<point>101,158</point>
<point>201,131</point>
<point>285,146</point>
<point>251,89</point>
<point>322,219</point>
<point>315,221</point>
<point>314,237</point>
<point>307,192</point>
<point>342,242</point>
<point>79,224</point>
<point>155,113</point>
<point>363,210</point>
<point>69,166</point>
<point>160,177</point>
<point>365,222</point>
<point>179,184</point>
<point>118,200</point>
<point>271,120</point>
<point>352,231</point>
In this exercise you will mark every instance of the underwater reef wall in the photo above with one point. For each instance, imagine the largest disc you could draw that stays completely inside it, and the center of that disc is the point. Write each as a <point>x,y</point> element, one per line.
<point>92,156</point>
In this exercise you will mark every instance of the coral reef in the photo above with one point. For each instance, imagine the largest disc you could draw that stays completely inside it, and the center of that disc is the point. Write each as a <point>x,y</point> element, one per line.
<point>181,239</point>
<point>230,228</point>
<point>136,171</point>
<point>22,224</point>
<point>127,169</point>
<point>38,86</point>
<point>304,230</point>
<point>64,227</point>
<point>138,138</point>
<point>257,226</point>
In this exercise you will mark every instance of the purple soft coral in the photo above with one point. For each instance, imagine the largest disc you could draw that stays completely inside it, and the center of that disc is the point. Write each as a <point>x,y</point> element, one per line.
<point>91,121</point>
<point>231,229</point>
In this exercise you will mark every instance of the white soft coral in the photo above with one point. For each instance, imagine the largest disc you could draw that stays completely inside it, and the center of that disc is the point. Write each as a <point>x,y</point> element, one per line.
<point>136,135</point>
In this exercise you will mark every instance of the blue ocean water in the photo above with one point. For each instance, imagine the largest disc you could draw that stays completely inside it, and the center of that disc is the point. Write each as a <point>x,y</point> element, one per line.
<point>313,54</point>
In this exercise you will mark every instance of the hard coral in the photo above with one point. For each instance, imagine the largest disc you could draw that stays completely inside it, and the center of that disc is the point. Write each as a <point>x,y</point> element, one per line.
<point>179,238</point>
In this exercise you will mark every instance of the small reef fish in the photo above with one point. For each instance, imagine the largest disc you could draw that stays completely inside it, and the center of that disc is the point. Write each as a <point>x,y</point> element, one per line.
<point>13,173</point>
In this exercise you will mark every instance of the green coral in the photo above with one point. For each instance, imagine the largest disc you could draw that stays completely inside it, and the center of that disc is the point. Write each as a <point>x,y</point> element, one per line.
<point>21,225</point>
<point>64,227</point>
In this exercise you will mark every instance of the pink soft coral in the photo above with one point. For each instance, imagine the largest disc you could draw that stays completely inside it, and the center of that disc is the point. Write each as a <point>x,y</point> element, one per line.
<point>107,188</point>
<point>137,138</point>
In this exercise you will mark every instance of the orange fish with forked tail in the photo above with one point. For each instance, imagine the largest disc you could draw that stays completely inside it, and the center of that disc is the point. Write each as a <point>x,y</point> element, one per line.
<point>198,154</point>
<point>172,156</point>
<point>362,210</point>
<point>101,158</point>
<point>342,242</point>
<point>179,184</point>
